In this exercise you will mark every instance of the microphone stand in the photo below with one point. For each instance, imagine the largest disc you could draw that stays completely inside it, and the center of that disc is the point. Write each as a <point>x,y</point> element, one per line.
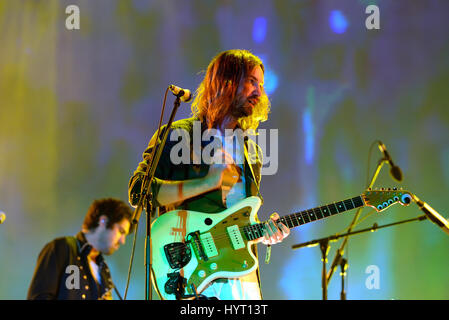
<point>340,251</point>
<point>344,266</point>
<point>324,246</point>
<point>147,198</point>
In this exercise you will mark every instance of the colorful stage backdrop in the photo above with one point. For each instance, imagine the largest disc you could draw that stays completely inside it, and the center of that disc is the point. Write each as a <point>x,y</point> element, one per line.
<point>78,105</point>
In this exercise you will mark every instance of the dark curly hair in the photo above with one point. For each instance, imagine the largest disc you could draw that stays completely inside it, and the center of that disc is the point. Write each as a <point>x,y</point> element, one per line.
<point>114,209</point>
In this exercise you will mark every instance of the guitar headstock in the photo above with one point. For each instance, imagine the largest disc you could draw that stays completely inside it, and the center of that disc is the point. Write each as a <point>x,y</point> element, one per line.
<point>382,198</point>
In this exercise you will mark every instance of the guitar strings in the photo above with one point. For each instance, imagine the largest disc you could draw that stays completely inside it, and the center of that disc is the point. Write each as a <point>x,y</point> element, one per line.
<point>288,220</point>
<point>255,229</point>
<point>218,238</point>
<point>221,237</point>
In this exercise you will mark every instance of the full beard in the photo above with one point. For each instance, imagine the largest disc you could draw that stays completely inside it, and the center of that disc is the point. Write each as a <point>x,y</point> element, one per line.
<point>242,107</point>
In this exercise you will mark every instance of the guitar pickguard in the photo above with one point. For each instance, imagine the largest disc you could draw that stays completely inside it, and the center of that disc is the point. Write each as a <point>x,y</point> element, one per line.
<point>214,246</point>
<point>227,260</point>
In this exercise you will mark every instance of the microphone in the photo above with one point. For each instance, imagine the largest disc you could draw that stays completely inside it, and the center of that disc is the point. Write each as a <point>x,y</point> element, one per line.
<point>432,215</point>
<point>2,217</point>
<point>184,94</point>
<point>395,171</point>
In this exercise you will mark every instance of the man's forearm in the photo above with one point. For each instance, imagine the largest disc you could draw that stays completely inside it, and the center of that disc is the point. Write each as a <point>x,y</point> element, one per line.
<point>169,192</point>
<point>179,191</point>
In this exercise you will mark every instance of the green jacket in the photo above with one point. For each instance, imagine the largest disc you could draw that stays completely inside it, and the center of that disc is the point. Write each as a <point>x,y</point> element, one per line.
<point>210,202</point>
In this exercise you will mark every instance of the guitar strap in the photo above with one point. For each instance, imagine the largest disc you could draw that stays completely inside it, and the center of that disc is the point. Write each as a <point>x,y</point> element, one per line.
<point>254,247</point>
<point>251,168</point>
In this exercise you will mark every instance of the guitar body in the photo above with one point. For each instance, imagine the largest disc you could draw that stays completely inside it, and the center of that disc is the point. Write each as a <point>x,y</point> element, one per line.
<point>191,249</point>
<point>201,247</point>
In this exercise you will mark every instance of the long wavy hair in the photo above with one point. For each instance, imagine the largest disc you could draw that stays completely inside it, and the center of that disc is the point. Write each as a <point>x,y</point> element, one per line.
<point>218,91</point>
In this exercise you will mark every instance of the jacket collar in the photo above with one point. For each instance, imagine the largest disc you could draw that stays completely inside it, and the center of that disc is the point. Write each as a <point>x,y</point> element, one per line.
<point>84,247</point>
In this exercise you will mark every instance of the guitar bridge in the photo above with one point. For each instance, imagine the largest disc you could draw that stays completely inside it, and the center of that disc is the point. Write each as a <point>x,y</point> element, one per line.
<point>194,239</point>
<point>178,254</point>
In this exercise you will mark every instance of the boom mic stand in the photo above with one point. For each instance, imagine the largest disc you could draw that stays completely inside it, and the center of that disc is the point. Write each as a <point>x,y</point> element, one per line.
<point>340,251</point>
<point>147,197</point>
<point>344,266</point>
<point>324,245</point>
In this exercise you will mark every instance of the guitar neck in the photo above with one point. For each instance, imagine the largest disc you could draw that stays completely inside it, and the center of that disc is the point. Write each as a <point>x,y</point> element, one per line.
<point>256,231</point>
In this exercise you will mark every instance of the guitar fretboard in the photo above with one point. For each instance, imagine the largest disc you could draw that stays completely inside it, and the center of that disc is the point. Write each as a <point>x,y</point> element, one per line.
<point>256,231</point>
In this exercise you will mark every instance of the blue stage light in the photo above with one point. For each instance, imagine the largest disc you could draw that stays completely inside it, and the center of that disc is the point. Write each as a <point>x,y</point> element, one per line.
<point>270,78</point>
<point>259,29</point>
<point>271,81</point>
<point>338,22</point>
<point>309,136</point>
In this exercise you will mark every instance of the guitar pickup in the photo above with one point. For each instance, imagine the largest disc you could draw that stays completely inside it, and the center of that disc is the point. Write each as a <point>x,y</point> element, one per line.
<point>194,239</point>
<point>236,237</point>
<point>208,244</point>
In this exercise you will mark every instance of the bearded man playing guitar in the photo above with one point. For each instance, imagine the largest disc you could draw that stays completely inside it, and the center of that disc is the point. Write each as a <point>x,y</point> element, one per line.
<point>199,248</point>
